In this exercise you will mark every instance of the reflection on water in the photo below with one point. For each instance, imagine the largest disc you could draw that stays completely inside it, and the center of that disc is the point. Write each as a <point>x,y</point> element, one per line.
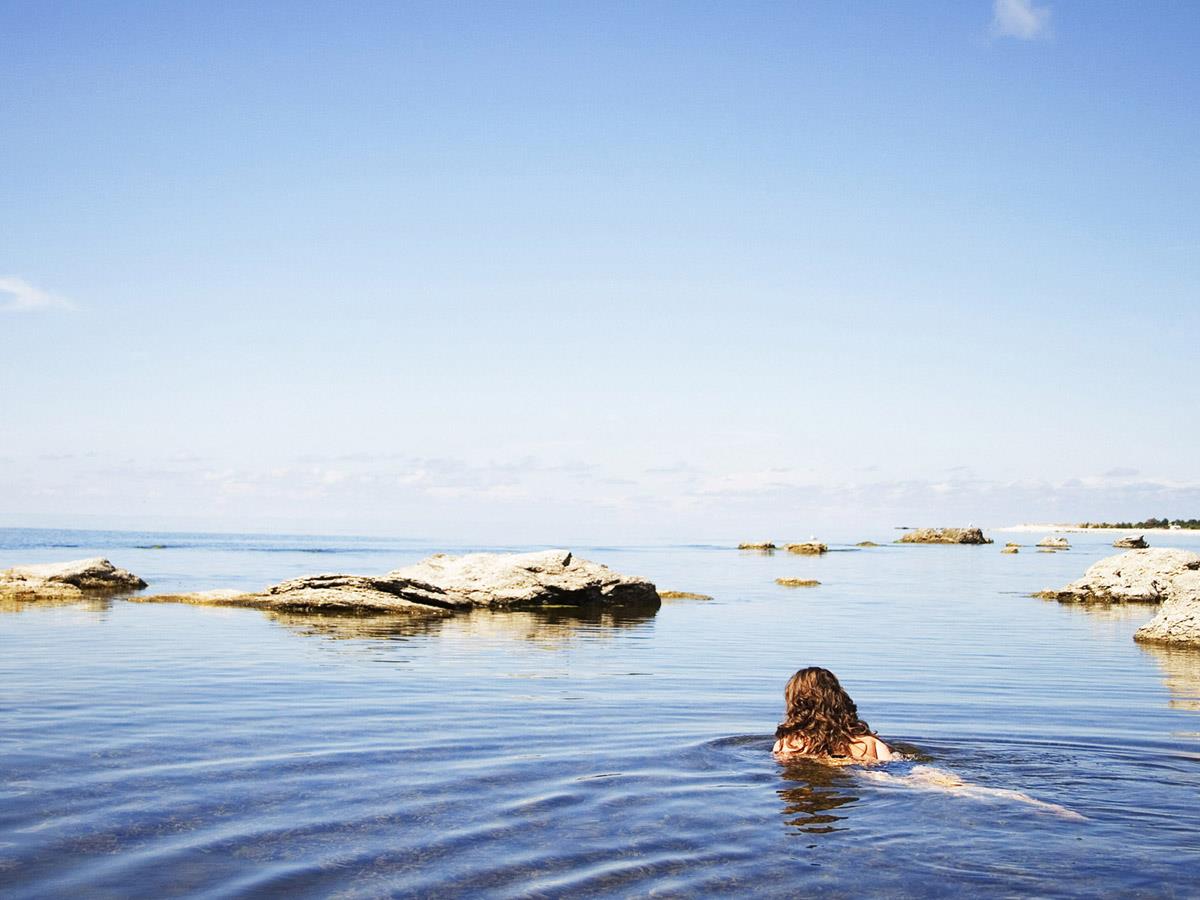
<point>93,603</point>
<point>347,626</point>
<point>1181,673</point>
<point>1108,612</point>
<point>539,626</point>
<point>817,790</point>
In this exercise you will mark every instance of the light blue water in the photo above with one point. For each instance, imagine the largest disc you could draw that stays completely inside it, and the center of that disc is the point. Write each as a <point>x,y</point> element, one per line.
<point>162,750</point>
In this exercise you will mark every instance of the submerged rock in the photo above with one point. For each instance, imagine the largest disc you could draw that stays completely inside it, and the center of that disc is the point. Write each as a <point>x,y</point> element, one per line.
<point>441,585</point>
<point>764,545</point>
<point>682,595</point>
<point>866,544</point>
<point>1178,619</point>
<point>1139,576</point>
<point>944,536</point>
<point>808,548</point>
<point>62,581</point>
<point>798,582</point>
<point>1011,549</point>
<point>1055,543</point>
<point>1131,542</point>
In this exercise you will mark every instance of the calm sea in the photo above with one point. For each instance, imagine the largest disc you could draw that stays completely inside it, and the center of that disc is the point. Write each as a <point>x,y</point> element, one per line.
<point>164,750</point>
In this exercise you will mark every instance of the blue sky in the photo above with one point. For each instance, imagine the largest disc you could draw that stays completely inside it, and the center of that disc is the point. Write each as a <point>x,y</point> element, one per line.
<point>597,271</point>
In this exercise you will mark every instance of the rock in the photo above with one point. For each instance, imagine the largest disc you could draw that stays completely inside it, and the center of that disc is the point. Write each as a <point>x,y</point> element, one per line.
<point>61,581</point>
<point>682,595</point>
<point>808,548</point>
<point>1055,543</point>
<point>866,544</point>
<point>346,592</point>
<point>1178,619</point>
<point>313,594</point>
<point>797,582</point>
<point>1131,542</point>
<point>521,581</point>
<point>1011,549</point>
<point>944,536</point>
<point>765,545</point>
<point>440,585</point>
<point>1138,576</point>
<point>1012,544</point>
<point>1047,550</point>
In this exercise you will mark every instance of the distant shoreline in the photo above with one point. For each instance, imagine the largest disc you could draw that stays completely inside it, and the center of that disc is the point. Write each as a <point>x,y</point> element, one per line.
<point>1036,527</point>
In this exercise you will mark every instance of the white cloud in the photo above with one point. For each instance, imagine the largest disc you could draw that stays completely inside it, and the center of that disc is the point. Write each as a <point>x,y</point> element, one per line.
<point>1020,19</point>
<point>18,295</point>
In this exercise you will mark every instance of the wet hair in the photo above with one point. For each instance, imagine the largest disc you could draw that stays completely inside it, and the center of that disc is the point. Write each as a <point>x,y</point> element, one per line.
<point>821,712</point>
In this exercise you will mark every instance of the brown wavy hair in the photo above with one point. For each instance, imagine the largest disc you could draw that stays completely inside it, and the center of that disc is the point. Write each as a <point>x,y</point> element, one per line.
<point>819,710</point>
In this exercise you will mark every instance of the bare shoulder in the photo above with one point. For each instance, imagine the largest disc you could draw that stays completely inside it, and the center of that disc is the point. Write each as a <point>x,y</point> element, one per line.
<point>871,749</point>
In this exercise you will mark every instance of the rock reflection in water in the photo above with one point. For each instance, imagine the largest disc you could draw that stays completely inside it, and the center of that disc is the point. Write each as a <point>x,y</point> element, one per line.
<point>1181,673</point>
<point>547,626</point>
<point>817,791</point>
<point>98,603</point>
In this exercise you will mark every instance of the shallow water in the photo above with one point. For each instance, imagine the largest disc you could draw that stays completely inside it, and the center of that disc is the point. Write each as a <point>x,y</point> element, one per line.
<point>151,750</point>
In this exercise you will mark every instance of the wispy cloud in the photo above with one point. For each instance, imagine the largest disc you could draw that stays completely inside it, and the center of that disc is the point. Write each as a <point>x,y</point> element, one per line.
<point>18,295</point>
<point>535,499</point>
<point>1021,19</point>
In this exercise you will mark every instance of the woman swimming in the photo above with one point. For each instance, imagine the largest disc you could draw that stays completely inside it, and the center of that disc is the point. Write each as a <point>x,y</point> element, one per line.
<point>821,721</point>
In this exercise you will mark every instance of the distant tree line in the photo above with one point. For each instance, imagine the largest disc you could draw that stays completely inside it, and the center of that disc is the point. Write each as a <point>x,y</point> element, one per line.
<point>1148,523</point>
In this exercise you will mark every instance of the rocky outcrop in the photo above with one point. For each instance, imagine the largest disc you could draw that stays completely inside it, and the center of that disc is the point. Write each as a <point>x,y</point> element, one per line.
<point>764,545</point>
<point>866,544</point>
<point>1054,543</point>
<point>521,581</point>
<point>64,581</point>
<point>1178,619</point>
<point>442,585</point>
<point>315,594</point>
<point>797,582</point>
<point>1139,576</point>
<point>1131,542</point>
<point>1011,549</point>
<point>808,548</point>
<point>682,595</point>
<point>944,536</point>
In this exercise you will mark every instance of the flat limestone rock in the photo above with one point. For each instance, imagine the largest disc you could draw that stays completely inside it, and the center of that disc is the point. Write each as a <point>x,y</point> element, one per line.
<point>524,581</point>
<point>1131,542</point>
<point>311,594</point>
<point>62,581</point>
<point>808,548</point>
<point>944,536</point>
<point>1011,549</point>
<point>866,544</point>
<point>1178,619</point>
<point>762,545</point>
<point>441,585</point>
<point>1055,543</point>
<point>682,595</point>
<point>798,582</point>
<point>1138,576</point>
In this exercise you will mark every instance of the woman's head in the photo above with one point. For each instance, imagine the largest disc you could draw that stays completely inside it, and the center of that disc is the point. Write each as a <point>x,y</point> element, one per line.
<point>821,711</point>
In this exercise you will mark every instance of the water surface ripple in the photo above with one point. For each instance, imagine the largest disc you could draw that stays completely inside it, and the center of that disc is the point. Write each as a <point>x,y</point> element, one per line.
<point>155,751</point>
